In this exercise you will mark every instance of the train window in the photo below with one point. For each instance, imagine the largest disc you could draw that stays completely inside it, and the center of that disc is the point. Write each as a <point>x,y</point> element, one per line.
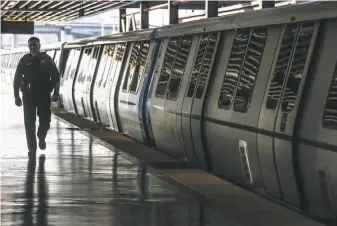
<point>197,64</point>
<point>116,63</point>
<point>207,63</point>
<point>110,51</point>
<point>69,63</point>
<point>281,67</point>
<point>132,66</point>
<point>137,77</point>
<point>297,66</point>
<point>57,58</point>
<point>84,64</point>
<point>103,64</point>
<point>250,69</point>
<point>93,66</point>
<point>330,111</point>
<point>178,68</point>
<point>75,63</point>
<point>166,68</point>
<point>233,69</point>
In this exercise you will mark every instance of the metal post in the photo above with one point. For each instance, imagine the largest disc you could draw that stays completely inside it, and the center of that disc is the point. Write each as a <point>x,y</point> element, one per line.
<point>144,16</point>
<point>211,8</point>
<point>173,12</point>
<point>121,22</point>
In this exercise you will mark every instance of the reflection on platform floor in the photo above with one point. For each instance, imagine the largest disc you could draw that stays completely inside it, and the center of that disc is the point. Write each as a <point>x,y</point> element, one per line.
<point>77,181</point>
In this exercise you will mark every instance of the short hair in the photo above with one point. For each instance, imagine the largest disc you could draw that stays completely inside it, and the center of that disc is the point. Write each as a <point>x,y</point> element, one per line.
<point>34,39</point>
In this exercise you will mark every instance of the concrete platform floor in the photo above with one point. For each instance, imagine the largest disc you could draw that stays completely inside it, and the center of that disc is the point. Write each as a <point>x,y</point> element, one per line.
<point>82,180</point>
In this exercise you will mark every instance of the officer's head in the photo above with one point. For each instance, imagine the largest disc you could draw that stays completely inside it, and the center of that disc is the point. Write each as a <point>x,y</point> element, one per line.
<point>34,45</point>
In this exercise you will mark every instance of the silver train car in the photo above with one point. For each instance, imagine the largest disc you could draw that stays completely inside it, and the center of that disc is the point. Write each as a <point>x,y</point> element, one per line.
<point>250,97</point>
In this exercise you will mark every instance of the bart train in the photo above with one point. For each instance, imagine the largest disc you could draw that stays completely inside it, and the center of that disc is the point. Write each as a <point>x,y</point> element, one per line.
<point>250,97</point>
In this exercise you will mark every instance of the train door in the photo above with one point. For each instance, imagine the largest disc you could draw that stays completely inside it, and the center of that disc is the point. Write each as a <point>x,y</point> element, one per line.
<point>68,80</point>
<point>182,50</point>
<point>100,89</point>
<point>111,86</point>
<point>317,148</point>
<point>129,95</point>
<point>193,101</point>
<point>78,91</point>
<point>279,111</point>
<point>90,80</point>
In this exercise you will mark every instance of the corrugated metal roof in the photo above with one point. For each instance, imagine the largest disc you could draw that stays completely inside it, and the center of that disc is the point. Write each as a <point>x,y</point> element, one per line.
<point>56,10</point>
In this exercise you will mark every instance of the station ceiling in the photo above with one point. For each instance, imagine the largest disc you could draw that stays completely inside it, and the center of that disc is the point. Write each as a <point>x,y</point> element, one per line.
<point>67,10</point>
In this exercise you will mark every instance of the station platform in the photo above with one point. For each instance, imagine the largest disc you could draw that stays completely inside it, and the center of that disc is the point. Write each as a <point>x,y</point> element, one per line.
<point>91,176</point>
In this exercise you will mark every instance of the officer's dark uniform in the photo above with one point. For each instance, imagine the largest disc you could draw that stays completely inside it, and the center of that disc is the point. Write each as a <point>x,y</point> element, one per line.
<point>37,76</point>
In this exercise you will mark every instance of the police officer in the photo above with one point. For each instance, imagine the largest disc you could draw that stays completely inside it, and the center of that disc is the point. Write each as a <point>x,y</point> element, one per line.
<point>36,76</point>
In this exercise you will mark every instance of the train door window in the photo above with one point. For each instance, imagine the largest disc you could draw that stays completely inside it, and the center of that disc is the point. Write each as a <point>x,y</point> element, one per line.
<point>250,69</point>
<point>207,63</point>
<point>94,60</point>
<point>102,64</point>
<point>67,69</point>
<point>330,111</point>
<point>305,35</point>
<point>75,63</point>
<point>116,61</point>
<point>57,58</point>
<point>110,53</point>
<point>197,64</point>
<point>84,64</point>
<point>178,68</point>
<point>281,67</point>
<point>132,65</point>
<point>137,77</point>
<point>166,68</point>
<point>231,77</point>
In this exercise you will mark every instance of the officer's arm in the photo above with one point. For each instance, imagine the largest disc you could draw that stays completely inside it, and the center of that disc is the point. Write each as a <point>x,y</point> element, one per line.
<point>18,78</point>
<point>55,77</point>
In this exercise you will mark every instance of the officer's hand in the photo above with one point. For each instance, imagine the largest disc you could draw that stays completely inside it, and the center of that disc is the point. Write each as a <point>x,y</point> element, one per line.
<point>55,97</point>
<point>18,101</point>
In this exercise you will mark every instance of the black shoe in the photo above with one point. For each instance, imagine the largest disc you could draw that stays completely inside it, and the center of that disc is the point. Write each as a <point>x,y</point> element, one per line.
<point>42,144</point>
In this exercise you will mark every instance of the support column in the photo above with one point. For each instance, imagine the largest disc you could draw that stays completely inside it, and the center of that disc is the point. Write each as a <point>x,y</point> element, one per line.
<point>266,4</point>
<point>211,8</point>
<point>144,16</point>
<point>122,21</point>
<point>173,12</point>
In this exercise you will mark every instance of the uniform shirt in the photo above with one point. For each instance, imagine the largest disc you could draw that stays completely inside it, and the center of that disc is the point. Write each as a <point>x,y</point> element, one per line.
<point>39,73</point>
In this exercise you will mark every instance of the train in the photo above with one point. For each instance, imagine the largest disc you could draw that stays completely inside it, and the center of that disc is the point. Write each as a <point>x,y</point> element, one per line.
<point>249,97</point>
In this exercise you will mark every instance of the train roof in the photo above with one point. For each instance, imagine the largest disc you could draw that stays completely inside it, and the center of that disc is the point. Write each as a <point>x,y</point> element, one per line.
<point>263,17</point>
<point>113,38</point>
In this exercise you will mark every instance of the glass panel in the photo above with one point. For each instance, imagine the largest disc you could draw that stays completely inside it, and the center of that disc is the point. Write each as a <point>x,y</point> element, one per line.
<point>197,64</point>
<point>141,66</point>
<point>166,68</point>
<point>108,67</point>
<point>102,64</point>
<point>132,65</point>
<point>179,67</point>
<point>94,59</point>
<point>297,66</point>
<point>206,64</point>
<point>281,67</point>
<point>233,69</point>
<point>330,111</point>
<point>116,63</point>
<point>250,69</point>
